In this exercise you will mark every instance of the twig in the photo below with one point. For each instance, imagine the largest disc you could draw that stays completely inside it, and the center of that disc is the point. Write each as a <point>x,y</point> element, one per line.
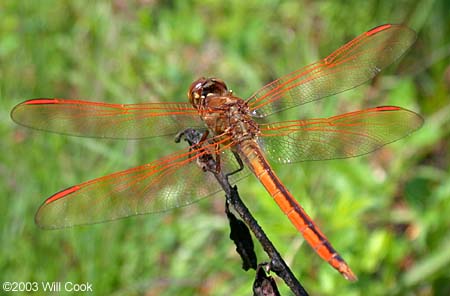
<point>278,265</point>
<point>208,163</point>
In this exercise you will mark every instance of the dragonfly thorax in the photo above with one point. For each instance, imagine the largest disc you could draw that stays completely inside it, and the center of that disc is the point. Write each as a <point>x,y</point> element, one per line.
<point>221,111</point>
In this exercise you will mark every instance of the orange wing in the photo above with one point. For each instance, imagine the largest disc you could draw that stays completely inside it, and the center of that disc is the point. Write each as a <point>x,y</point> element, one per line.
<point>93,119</point>
<point>346,135</point>
<point>349,66</point>
<point>171,182</point>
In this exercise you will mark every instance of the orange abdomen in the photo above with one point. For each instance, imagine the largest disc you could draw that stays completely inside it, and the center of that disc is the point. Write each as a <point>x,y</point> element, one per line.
<point>251,154</point>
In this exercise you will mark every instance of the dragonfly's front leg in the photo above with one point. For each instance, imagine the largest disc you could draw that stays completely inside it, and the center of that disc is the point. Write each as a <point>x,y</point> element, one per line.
<point>197,140</point>
<point>193,136</point>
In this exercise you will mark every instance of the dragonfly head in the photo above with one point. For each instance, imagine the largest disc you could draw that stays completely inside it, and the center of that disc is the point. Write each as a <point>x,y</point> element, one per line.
<point>205,87</point>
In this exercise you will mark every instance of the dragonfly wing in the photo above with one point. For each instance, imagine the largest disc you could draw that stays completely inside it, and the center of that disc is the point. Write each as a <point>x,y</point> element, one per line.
<point>346,135</point>
<point>93,119</point>
<point>171,182</point>
<point>351,65</point>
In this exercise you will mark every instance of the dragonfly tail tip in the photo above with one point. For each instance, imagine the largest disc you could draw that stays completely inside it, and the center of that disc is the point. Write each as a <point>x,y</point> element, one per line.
<point>348,274</point>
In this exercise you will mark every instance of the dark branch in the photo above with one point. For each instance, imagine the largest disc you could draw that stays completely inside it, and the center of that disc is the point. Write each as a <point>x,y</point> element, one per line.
<point>208,163</point>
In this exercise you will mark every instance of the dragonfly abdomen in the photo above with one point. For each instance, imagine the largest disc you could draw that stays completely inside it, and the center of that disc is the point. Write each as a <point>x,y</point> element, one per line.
<point>251,154</point>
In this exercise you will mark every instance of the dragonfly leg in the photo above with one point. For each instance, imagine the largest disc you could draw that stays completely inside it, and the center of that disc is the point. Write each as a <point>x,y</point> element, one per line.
<point>196,140</point>
<point>217,160</point>
<point>241,165</point>
<point>192,136</point>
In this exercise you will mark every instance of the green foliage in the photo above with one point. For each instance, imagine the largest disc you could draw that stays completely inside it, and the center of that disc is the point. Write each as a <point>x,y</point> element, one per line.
<point>387,213</point>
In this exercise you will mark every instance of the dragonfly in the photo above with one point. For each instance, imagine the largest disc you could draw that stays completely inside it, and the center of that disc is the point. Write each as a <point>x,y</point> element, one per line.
<point>236,135</point>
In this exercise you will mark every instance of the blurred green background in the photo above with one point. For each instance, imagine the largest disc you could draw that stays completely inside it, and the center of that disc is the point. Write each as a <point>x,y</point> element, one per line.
<point>387,213</point>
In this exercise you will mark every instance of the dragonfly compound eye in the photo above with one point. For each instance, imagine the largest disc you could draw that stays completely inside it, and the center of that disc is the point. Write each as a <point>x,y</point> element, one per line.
<point>214,87</point>
<point>205,87</point>
<point>195,91</point>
